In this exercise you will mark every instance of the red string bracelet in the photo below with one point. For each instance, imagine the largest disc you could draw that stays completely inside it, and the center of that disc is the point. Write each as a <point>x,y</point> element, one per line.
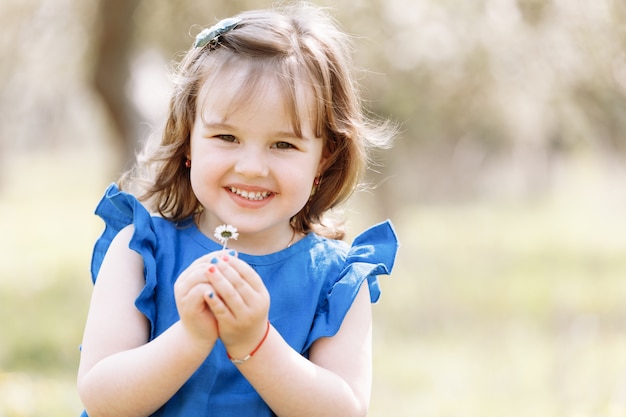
<point>243,360</point>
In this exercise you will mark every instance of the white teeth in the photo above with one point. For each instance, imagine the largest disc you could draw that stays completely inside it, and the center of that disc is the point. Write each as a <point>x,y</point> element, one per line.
<point>250,195</point>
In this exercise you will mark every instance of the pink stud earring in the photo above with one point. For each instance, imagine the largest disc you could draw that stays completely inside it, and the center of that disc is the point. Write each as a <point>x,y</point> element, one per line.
<point>188,163</point>
<point>316,183</point>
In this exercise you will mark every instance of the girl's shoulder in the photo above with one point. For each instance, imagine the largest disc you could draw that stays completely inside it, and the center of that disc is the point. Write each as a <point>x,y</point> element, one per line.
<point>119,209</point>
<point>371,253</point>
<point>376,242</point>
<point>346,268</point>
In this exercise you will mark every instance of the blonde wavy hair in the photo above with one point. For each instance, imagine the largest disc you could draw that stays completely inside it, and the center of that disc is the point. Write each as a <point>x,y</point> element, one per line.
<point>296,43</point>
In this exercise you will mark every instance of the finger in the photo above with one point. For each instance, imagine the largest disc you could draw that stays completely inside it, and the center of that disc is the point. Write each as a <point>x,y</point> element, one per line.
<point>227,281</point>
<point>193,303</point>
<point>208,294</point>
<point>216,304</point>
<point>196,272</point>
<point>192,276</point>
<point>246,273</point>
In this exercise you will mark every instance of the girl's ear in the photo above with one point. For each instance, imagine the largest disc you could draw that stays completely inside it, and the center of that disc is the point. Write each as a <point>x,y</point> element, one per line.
<point>324,162</point>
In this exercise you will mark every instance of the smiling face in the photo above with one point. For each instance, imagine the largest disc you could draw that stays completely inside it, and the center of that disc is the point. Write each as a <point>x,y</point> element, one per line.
<point>249,167</point>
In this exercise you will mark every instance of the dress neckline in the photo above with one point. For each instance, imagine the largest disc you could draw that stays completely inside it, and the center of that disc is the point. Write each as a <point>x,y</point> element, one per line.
<point>210,245</point>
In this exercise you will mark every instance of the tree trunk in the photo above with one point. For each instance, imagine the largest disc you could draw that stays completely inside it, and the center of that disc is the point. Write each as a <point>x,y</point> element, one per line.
<point>112,72</point>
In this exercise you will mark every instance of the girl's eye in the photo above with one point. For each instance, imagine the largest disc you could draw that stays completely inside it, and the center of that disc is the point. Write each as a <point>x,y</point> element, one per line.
<point>227,138</point>
<point>283,145</point>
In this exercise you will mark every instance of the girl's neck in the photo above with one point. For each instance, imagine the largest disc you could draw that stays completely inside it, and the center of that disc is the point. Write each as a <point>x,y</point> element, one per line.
<point>256,243</point>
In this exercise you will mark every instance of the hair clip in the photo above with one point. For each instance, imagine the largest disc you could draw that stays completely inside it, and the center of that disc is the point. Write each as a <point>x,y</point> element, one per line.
<point>215,31</point>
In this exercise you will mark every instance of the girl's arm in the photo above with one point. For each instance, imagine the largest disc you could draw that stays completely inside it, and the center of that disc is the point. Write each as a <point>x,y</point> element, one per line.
<point>335,381</point>
<point>120,373</point>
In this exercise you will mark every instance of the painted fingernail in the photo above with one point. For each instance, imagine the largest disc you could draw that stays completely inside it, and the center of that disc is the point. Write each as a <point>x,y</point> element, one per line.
<point>232,252</point>
<point>211,295</point>
<point>225,258</point>
<point>211,269</point>
<point>214,260</point>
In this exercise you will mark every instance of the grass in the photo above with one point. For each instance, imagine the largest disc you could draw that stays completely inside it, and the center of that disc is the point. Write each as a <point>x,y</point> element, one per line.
<point>494,308</point>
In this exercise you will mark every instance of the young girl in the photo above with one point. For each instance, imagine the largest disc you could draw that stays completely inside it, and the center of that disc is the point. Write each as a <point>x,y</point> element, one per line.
<point>265,134</point>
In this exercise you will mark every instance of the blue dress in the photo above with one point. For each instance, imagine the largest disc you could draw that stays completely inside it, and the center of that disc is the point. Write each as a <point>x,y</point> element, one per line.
<point>312,285</point>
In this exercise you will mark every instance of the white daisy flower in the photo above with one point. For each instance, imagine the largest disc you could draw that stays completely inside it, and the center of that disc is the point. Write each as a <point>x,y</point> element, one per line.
<point>225,232</point>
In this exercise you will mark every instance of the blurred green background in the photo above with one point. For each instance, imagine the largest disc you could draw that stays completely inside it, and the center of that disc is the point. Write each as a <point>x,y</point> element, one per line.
<point>507,187</point>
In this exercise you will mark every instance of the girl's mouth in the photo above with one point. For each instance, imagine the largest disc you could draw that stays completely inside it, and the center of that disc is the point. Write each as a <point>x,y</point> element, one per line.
<point>250,195</point>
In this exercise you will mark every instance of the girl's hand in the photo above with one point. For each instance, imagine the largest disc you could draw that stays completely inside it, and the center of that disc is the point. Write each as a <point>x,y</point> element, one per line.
<point>191,291</point>
<point>240,304</point>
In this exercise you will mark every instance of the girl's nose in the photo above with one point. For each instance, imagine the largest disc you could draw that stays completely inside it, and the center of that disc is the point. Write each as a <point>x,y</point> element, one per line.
<point>252,162</point>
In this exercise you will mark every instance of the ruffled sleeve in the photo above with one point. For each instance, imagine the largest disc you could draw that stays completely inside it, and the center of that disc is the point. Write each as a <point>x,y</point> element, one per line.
<point>372,253</point>
<point>119,209</point>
